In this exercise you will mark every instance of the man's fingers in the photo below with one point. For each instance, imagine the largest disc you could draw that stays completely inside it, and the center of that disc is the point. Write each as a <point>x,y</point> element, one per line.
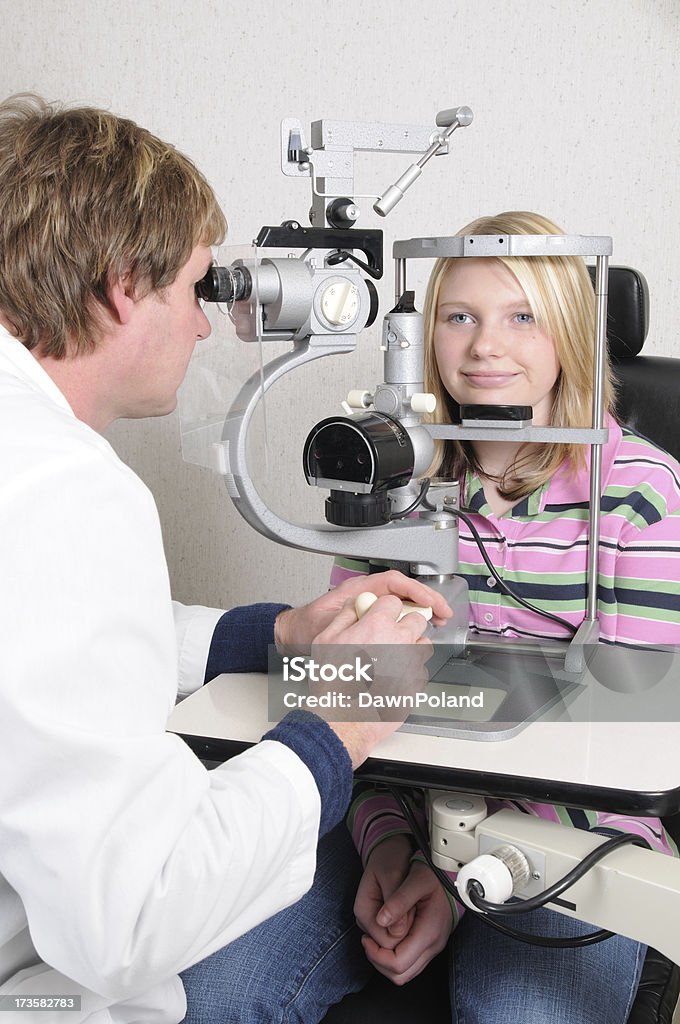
<point>416,622</point>
<point>379,623</point>
<point>412,590</point>
<point>394,582</point>
<point>345,618</point>
<point>413,623</point>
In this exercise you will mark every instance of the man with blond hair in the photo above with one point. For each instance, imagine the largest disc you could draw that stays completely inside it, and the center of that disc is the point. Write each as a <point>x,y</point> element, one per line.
<point>123,861</point>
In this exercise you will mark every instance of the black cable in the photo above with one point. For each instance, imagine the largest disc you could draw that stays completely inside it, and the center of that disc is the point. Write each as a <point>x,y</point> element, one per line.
<point>568,942</point>
<point>340,255</point>
<point>422,841</point>
<point>505,588</point>
<point>534,902</point>
<point>420,500</point>
<point>487,910</point>
<point>501,582</point>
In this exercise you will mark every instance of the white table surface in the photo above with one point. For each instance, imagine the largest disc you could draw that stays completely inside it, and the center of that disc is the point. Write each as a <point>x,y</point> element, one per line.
<point>640,757</point>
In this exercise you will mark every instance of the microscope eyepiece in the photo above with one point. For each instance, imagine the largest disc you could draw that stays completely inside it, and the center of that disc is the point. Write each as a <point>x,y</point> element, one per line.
<point>225,284</point>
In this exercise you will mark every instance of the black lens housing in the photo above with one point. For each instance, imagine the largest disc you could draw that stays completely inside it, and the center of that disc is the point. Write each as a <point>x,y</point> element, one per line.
<point>372,452</point>
<point>225,284</point>
<point>344,508</point>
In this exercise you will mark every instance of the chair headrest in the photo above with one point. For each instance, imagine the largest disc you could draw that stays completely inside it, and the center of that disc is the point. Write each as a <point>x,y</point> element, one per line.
<point>627,311</point>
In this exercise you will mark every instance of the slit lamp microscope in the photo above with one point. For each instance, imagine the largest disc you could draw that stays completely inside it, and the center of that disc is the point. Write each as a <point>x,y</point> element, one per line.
<point>371,460</point>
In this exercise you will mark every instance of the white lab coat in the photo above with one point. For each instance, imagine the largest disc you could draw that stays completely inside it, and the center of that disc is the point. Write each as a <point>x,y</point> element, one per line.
<point>122,860</point>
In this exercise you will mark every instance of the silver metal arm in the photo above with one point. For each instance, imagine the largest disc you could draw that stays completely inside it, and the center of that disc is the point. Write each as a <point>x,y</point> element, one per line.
<point>329,159</point>
<point>448,119</point>
<point>429,546</point>
<point>601,285</point>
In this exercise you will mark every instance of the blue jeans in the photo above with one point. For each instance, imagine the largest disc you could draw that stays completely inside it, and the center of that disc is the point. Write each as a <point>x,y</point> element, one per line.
<point>498,980</point>
<point>291,968</point>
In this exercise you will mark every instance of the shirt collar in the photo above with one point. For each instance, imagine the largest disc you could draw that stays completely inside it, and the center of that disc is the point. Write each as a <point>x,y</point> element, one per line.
<point>473,494</point>
<point>567,486</point>
<point>17,360</point>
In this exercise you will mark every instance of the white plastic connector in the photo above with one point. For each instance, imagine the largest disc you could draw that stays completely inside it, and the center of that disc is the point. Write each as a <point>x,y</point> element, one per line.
<point>457,812</point>
<point>409,607</point>
<point>492,874</point>
<point>364,601</point>
<point>506,878</point>
<point>359,399</point>
<point>453,821</point>
<point>423,402</point>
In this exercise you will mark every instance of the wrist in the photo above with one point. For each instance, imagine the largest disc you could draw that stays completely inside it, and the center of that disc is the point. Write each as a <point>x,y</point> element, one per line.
<point>282,628</point>
<point>353,740</point>
<point>394,844</point>
<point>390,859</point>
<point>418,861</point>
<point>290,631</point>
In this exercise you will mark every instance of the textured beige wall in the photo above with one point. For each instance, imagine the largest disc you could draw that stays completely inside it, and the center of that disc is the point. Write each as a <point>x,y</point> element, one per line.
<point>575,116</point>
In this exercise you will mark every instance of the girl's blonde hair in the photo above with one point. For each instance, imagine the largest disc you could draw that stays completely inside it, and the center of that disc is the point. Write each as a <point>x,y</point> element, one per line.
<point>562,300</point>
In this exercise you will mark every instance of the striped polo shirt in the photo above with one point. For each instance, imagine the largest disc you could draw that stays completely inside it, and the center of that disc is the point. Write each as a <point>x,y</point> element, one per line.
<point>540,548</point>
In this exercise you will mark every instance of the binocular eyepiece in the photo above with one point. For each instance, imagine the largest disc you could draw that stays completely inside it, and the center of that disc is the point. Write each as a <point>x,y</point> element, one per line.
<point>225,284</point>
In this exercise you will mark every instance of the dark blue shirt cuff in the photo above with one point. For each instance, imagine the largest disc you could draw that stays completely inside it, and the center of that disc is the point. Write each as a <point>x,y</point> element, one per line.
<point>325,755</point>
<point>241,638</point>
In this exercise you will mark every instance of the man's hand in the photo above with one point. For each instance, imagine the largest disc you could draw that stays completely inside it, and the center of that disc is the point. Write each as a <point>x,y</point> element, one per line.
<point>405,923</point>
<point>297,628</point>
<point>397,653</point>
<point>330,627</point>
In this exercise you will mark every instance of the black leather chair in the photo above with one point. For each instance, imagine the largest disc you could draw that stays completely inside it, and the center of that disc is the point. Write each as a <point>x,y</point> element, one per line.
<point>647,400</point>
<point>648,385</point>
